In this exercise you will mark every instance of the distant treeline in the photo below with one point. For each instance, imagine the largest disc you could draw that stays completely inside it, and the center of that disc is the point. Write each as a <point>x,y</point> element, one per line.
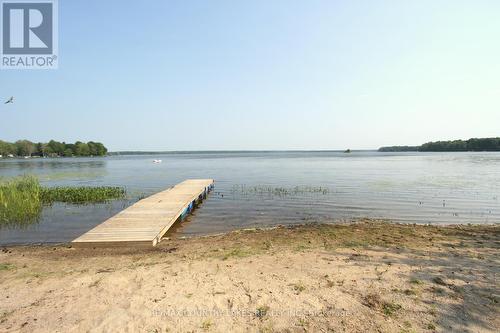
<point>399,148</point>
<point>53,148</point>
<point>483,144</point>
<point>117,153</point>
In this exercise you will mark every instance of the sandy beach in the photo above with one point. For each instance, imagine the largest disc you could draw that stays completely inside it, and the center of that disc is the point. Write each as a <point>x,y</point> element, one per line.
<point>368,276</point>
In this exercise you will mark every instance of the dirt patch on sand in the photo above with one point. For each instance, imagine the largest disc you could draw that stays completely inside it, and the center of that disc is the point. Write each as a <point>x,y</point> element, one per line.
<point>369,276</point>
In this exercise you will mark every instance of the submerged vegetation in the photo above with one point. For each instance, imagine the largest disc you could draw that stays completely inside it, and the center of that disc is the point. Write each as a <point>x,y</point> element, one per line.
<point>53,148</point>
<point>483,144</point>
<point>22,198</point>
<point>278,191</point>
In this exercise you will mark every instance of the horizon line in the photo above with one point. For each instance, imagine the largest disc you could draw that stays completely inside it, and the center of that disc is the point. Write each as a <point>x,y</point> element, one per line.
<point>237,150</point>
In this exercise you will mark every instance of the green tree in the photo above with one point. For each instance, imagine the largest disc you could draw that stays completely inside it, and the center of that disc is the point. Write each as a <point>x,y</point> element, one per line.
<point>52,148</point>
<point>68,152</point>
<point>39,149</point>
<point>96,148</point>
<point>92,148</point>
<point>100,149</point>
<point>82,149</point>
<point>56,147</point>
<point>25,148</point>
<point>7,148</point>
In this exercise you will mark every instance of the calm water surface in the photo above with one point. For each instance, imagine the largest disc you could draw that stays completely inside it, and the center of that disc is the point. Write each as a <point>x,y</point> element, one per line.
<point>405,187</point>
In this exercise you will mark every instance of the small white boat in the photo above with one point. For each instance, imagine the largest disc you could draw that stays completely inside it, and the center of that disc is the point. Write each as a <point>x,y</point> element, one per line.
<point>156,161</point>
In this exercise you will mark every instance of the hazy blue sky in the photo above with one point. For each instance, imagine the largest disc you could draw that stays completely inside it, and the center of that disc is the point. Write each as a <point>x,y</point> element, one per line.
<point>195,75</point>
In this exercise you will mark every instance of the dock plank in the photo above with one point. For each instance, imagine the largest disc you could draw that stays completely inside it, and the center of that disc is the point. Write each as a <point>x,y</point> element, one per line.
<point>146,221</point>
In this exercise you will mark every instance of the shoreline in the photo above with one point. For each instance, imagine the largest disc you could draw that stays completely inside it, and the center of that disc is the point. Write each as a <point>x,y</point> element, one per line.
<point>264,228</point>
<point>369,275</point>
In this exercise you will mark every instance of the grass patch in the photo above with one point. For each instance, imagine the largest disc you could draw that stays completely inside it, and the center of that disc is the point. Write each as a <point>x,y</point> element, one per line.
<point>206,324</point>
<point>261,311</point>
<point>302,323</point>
<point>302,247</point>
<point>22,198</point>
<point>374,301</point>
<point>416,281</point>
<point>6,267</point>
<point>298,287</point>
<point>390,309</point>
<point>236,253</point>
<point>355,243</point>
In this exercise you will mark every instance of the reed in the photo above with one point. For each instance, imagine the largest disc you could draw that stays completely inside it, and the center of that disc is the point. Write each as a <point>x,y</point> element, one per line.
<point>20,201</point>
<point>22,198</point>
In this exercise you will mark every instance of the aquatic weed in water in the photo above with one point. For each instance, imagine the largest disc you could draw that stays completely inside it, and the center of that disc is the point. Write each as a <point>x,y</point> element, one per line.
<point>81,194</point>
<point>279,191</point>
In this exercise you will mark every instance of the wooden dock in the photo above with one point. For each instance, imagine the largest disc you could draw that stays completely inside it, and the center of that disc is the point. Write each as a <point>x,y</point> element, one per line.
<point>146,221</point>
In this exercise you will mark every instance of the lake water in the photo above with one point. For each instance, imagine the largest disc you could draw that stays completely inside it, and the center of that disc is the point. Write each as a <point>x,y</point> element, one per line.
<point>269,188</point>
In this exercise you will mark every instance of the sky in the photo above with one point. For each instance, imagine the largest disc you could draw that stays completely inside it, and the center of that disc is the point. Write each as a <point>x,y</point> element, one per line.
<point>262,75</point>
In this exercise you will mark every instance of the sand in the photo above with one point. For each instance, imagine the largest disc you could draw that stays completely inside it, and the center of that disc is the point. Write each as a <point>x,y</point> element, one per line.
<point>369,276</point>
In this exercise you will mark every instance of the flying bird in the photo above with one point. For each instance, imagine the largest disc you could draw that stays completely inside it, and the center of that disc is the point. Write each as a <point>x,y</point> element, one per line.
<point>10,100</point>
